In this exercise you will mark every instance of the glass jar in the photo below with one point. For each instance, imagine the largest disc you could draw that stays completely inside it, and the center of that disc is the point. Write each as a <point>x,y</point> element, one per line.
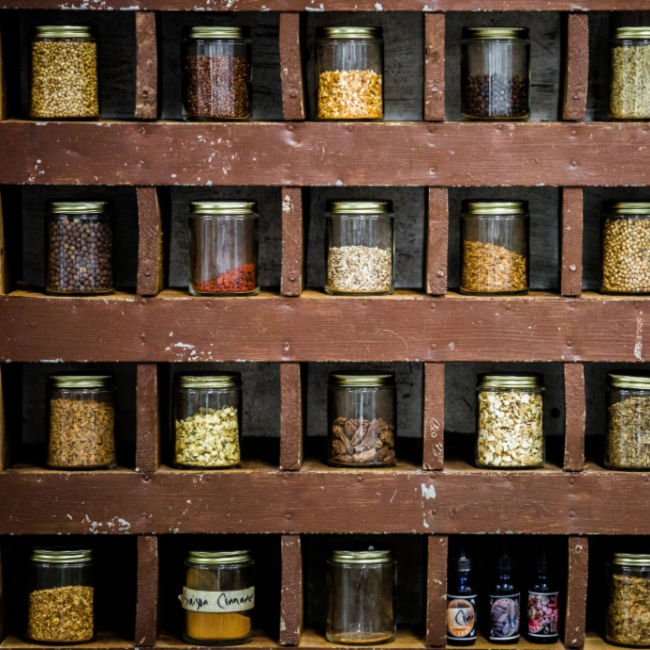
<point>495,73</point>
<point>361,413</point>
<point>82,422</point>
<point>360,249</point>
<point>628,611</point>
<point>207,423</point>
<point>626,248</point>
<point>218,597</point>
<point>360,597</point>
<point>216,74</point>
<point>495,247</point>
<point>629,78</point>
<point>223,248</point>
<point>510,421</point>
<point>349,73</point>
<point>61,597</point>
<point>64,73</point>
<point>627,444</point>
<point>79,249</point>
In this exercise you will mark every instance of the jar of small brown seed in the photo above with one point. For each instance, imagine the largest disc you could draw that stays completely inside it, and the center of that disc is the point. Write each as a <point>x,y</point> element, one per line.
<point>629,78</point>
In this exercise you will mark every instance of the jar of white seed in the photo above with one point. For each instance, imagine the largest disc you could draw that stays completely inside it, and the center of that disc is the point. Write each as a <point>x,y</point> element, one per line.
<point>510,421</point>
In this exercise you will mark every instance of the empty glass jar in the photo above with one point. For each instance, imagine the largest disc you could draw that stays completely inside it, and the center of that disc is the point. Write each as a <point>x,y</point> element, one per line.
<point>360,587</point>
<point>360,247</point>
<point>629,78</point>
<point>349,73</point>
<point>223,248</point>
<point>495,73</point>
<point>494,247</point>
<point>216,74</point>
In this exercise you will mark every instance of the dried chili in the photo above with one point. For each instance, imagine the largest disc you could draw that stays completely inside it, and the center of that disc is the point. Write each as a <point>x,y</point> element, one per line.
<point>239,280</point>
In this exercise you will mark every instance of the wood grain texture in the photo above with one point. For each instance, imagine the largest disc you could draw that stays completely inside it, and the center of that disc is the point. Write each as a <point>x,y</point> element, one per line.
<point>436,622</point>
<point>315,153</point>
<point>291,601</point>
<point>572,225</point>
<point>5,283</point>
<point>576,72</point>
<point>433,425</point>
<point>434,67</point>
<point>146,88</point>
<point>146,608</point>
<point>293,94</point>
<point>4,435</point>
<point>437,240</point>
<point>147,418</point>
<point>291,417</point>
<point>3,86</point>
<point>575,416</point>
<point>293,242</point>
<point>150,243</point>
<point>576,605</point>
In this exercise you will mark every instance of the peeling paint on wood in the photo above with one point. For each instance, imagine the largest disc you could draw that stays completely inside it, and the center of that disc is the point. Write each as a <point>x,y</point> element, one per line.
<point>576,72</point>
<point>575,416</point>
<point>576,603</point>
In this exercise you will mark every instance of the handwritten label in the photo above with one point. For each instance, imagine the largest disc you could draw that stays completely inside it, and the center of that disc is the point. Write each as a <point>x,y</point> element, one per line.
<point>238,600</point>
<point>461,617</point>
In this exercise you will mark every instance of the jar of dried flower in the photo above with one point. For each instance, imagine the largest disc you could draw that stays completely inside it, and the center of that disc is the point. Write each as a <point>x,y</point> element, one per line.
<point>629,79</point>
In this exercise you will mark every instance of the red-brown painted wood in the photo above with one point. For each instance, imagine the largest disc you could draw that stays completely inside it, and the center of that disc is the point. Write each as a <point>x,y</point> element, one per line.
<point>576,606</point>
<point>102,641</point>
<point>293,95</point>
<point>291,434</point>
<point>150,243</point>
<point>4,265</point>
<point>434,67</point>
<point>3,86</point>
<point>146,85</point>
<point>293,239</point>
<point>436,623</point>
<point>146,608</point>
<point>437,240</point>
<point>148,426</point>
<point>4,442</point>
<point>323,153</point>
<point>576,72</point>
<point>572,220</point>
<point>433,424</point>
<point>575,416</point>
<point>291,601</point>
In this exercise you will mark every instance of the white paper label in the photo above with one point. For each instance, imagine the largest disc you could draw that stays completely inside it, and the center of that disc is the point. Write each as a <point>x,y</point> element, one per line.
<point>238,600</point>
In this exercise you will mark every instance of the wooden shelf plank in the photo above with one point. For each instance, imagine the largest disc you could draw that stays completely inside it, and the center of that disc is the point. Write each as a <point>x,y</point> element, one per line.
<point>293,94</point>
<point>436,623</point>
<point>437,240</point>
<point>434,67</point>
<point>291,417</point>
<point>572,225</point>
<point>293,242</point>
<point>291,601</point>
<point>433,417</point>
<point>103,641</point>
<point>316,153</point>
<point>575,407</point>
<point>576,72</point>
<point>4,441</point>
<point>146,85</point>
<point>5,283</point>
<point>146,613</point>
<point>147,452</point>
<point>150,242</point>
<point>578,574</point>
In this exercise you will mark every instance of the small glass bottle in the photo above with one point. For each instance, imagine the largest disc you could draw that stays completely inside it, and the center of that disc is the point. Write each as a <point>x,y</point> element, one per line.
<point>627,443</point>
<point>218,597</point>
<point>543,613</point>
<point>207,420</point>
<point>461,604</point>
<point>510,421</point>
<point>494,247</point>
<point>628,611</point>
<point>495,73</point>
<point>81,422</point>
<point>505,605</point>
<point>61,599</point>
<point>349,73</point>
<point>626,248</point>
<point>361,413</point>
<point>223,248</point>
<point>216,74</point>
<point>79,249</point>
<point>360,248</point>
<point>629,78</point>
<point>64,73</point>
<point>360,588</point>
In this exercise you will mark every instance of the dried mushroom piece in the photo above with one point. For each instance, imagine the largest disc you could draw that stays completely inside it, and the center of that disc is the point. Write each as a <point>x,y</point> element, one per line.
<point>355,441</point>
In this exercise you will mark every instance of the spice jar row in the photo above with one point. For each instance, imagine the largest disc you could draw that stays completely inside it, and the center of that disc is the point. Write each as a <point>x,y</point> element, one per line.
<point>216,73</point>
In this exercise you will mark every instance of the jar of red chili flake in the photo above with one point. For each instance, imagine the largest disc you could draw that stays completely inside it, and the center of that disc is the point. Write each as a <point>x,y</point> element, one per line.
<point>223,248</point>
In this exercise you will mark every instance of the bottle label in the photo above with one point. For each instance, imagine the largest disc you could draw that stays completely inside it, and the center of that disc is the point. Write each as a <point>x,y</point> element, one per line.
<point>237,600</point>
<point>542,614</point>
<point>461,617</point>
<point>504,617</point>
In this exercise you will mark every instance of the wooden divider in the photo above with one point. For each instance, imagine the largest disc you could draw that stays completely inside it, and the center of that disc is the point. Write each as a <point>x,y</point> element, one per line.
<point>436,623</point>
<point>434,67</point>
<point>5,284</point>
<point>150,243</point>
<point>571,269</point>
<point>146,84</point>
<point>146,612</point>
<point>576,72</point>
<point>147,447</point>
<point>437,240</point>
<point>293,95</point>
<point>575,412</point>
<point>576,602</point>
<point>4,442</point>
<point>292,242</point>
<point>433,419</point>
<point>291,434</point>
<point>291,600</point>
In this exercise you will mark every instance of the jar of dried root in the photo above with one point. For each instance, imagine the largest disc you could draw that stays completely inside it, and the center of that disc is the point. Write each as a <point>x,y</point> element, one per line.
<point>629,78</point>
<point>510,421</point>
<point>207,421</point>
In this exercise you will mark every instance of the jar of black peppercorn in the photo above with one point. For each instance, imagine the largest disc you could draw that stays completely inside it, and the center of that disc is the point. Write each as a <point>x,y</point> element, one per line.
<point>495,73</point>
<point>79,248</point>
<point>216,74</point>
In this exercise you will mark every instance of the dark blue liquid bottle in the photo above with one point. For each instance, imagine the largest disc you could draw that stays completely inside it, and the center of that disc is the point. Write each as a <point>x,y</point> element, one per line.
<point>542,606</point>
<point>505,605</point>
<point>461,605</point>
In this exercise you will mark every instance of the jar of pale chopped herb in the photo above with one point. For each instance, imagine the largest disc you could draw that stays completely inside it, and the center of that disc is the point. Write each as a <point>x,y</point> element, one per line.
<point>207,421</point>
<point>629,90</point>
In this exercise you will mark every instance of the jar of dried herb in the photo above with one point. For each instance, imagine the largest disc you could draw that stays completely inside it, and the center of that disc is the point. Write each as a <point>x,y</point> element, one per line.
<point>510,422</point>
<point>629,79</point>
<point>64,73</point>
<point>207,420</point>
<point>218,597</point>
<point>360,249</point>
<point>81,422</point>
<point>361,414</point>
<point>216,73</point>
<point>61,599</point>
<point>628,611</point>
<point>495,73</point>
<point>223,248</point>
<point>349,73</point>
<point>494,252</point>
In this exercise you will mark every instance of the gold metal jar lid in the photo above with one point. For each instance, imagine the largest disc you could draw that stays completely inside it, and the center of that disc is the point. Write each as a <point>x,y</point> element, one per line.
<point>218,557</point>
<point>80,381</point>
<point>224,207</point>
<point>229,380</point>
<point>350,32</point>
<point>370,556</point>
<point>208,31</point>
<point>496,208</point>
<point>510,381</point>
<point>629,381</point>
<point>632,33</point>
<point>629,207</point>
<point>631,559</point>
<point>496,33</point>
<point>61,556</point>
<point>78,207</point>
<point>63,31</point>
<point>368,381</point>
<point>360,207</point>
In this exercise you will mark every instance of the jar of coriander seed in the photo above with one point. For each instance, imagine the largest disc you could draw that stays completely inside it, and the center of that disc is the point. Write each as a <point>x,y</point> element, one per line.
<point>629,79</point>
